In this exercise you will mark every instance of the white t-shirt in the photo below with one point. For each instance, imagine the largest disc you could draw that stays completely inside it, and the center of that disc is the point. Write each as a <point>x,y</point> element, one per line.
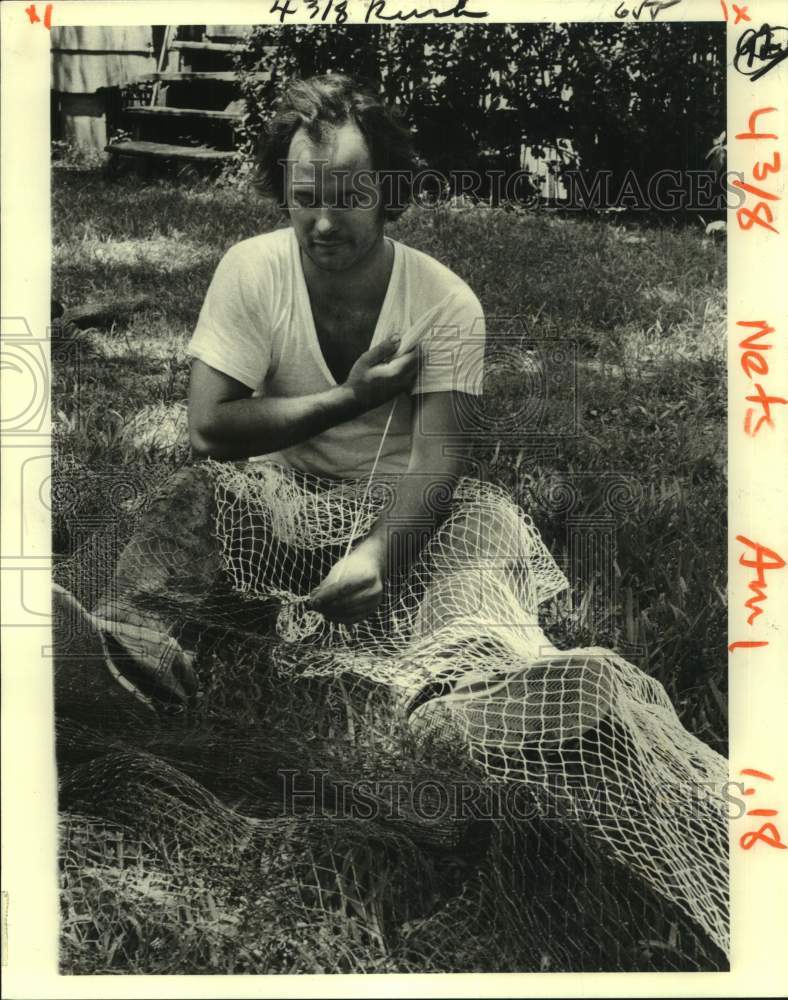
<point>256,326</point>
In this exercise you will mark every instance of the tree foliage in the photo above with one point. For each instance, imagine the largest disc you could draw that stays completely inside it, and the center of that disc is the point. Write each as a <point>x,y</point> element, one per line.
<point>628,97</point>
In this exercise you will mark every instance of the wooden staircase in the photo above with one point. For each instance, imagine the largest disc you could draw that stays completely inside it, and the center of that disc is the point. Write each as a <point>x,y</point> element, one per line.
<point>192,104</point>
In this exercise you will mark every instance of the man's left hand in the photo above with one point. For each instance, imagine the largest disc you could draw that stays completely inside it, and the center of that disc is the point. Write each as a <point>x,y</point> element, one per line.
<point>353,588</point>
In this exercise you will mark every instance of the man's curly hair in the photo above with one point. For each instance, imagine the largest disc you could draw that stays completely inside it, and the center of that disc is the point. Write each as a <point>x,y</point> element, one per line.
<point>333,100</point>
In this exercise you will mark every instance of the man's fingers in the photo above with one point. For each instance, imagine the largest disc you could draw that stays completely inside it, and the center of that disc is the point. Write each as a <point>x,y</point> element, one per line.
<point>348,615</point>
<point>381,352</point>
<point>401,364</point>
<point>337,590</point>
<point>334,601</point>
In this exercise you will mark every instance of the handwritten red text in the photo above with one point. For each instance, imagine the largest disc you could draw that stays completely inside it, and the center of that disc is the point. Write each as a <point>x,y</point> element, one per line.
<point>767,833</point>
<point>754,364</point>
<point>762,560</point>
<point>761,214</point>
<point>32,13</point>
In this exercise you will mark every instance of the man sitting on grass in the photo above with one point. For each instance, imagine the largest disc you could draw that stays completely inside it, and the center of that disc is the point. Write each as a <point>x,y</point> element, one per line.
<point>309,335</point>
<point>336,352</point>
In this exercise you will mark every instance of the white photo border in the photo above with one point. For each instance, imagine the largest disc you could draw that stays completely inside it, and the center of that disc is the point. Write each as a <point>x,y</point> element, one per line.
<point>758,499</point>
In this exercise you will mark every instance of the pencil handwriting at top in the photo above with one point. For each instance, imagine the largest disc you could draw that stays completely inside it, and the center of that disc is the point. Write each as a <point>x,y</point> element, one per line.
<point>379,9</point>
<point>759,51</point>
<point>652,6</point>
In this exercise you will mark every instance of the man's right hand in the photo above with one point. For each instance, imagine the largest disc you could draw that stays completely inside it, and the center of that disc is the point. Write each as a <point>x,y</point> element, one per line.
<point>381,374</point>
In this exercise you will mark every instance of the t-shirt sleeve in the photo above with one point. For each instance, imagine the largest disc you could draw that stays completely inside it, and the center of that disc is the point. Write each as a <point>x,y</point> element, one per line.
<point>452,346</point>
<point>234,331</point>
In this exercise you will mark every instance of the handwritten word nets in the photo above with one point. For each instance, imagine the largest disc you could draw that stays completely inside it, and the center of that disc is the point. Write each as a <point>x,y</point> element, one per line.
<point>437,788</point>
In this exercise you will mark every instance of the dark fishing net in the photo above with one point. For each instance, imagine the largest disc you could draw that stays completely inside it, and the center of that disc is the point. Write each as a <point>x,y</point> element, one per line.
<point>248,788</point>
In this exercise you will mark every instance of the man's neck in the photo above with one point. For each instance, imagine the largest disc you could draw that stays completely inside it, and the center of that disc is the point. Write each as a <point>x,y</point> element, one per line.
<point>358,283</point>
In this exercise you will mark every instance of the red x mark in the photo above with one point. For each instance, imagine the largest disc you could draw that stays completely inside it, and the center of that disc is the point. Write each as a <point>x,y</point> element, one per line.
<point>741,13</point>
<point>32,13</point>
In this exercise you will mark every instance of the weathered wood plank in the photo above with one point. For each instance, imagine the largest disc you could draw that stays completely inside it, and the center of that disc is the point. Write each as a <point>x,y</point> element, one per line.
<point>208,46</point>
<point>227,76</point>
<point>159,110</point>
<point>164,151</point>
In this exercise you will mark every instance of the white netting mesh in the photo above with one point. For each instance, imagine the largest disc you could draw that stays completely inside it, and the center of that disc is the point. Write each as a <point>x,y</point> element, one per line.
<point>485,566</point>
<point>624,864</point>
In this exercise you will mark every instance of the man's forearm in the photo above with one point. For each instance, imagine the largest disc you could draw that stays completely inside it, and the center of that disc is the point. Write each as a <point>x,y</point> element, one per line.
<point>241,428</point>
<point>419,503</point>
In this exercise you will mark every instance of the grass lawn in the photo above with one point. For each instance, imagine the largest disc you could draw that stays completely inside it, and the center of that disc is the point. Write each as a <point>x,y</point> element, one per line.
<point>607,360</point>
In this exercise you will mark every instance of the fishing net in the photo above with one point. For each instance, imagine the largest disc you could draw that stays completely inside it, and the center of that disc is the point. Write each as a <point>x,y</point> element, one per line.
<point>248,787</point>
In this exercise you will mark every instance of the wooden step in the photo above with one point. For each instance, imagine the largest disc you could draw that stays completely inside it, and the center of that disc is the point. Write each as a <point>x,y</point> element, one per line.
<point>208,46</point>
<point>225,76</point>
<point>160,111</point>
<point>227,30</point>
<point>164,151</point>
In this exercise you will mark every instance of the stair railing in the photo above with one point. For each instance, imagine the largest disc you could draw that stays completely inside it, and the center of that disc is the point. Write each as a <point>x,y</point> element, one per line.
<point>163,55</point>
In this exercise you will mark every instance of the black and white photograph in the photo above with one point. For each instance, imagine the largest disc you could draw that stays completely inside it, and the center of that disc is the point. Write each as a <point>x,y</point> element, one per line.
<point>388,491</point>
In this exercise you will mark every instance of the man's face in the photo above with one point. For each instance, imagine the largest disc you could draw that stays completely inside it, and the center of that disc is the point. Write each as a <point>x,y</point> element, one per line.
<point>332,198</point>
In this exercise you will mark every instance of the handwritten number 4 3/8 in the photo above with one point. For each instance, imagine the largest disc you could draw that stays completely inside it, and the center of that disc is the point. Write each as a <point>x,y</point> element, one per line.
<point>316,8</point>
